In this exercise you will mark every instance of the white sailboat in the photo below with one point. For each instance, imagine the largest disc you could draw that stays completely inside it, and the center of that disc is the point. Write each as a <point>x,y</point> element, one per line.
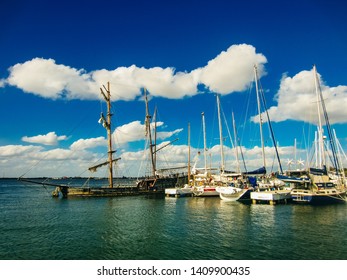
<point>186,189</point>
<point>241,189</point>
<point>269,189</point>
<point>238,188</point>
<point>203,184</point>
<point>321,189</point>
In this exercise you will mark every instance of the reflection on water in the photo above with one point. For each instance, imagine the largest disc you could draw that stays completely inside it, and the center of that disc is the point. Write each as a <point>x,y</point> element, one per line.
<point>35,226</point>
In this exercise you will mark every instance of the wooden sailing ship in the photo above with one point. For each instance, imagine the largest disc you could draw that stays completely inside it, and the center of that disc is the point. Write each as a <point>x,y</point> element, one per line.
<point>157,182</point>
<point>105,191</point>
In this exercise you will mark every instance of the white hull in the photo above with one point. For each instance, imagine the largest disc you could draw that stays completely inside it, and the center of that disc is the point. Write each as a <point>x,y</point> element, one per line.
<point>205,191</point>
<point>178,192</point>
<point>277,195</point>
<point>230,193</point>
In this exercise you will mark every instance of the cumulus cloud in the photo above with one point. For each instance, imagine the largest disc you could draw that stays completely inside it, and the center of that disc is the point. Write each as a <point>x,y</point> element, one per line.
<point>130,132</point>
<point>47,79</point>
<point>49,139</point>
<point>83,144</point>
<point>230,71</point>
<point>297,100</point>
<point>135,131</point>
<point>75,161</point>
<point>17,150</point>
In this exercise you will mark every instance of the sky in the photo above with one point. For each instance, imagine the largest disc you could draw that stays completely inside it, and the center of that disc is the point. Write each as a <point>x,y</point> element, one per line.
<point>55,56</point>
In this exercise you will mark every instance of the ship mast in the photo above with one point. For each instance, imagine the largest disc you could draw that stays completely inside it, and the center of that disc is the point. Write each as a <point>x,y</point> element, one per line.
<point>260,117</point>
<point>204,132</point>
<point>149,135</point>
<point>106,93</point>
<point>189,172</point>
<point>236,144</point>
<point>321,157</point>
<point>220,136</point>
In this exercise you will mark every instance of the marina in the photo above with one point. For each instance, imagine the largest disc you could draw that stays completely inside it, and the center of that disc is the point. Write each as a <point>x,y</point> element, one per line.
<point>155,140</point>
<point>315,184</point>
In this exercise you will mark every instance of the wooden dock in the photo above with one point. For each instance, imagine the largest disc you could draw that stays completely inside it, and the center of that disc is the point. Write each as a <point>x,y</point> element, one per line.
<point>271,197</point>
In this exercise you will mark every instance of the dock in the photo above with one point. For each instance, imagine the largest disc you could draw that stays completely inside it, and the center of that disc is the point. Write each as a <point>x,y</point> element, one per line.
<point>271,197</point>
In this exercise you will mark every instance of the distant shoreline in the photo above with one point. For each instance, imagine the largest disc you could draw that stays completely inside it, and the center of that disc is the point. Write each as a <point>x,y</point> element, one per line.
<point>67,178</point>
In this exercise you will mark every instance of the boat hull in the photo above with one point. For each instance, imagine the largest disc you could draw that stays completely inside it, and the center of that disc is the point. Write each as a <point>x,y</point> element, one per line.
<point>271,197</point>
<point>205,191</point>
<point>179,192</point>
<point>95,192</point>
<point>233,194</point>
<point>159,185</point>
<point>318,197</point>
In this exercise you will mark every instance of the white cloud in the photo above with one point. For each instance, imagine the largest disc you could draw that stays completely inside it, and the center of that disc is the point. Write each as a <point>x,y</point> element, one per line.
<point>35,161</point>
<point>130,132</point>
<point>230,71</point>
<point>47,79</point>
<point>83,144</point>
<point>297,100</point>
<point>17,150</point>
<point>167,134</point>
<point>75,160</point>
<point>50,139</point>
<point>135,131</point>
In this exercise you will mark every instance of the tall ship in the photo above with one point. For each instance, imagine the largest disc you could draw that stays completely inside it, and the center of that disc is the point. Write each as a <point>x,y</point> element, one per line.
<point>159,179</point>
<point>109,190</point>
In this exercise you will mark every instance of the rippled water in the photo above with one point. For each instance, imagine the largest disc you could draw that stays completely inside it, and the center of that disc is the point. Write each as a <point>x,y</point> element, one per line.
<point>34,225</point>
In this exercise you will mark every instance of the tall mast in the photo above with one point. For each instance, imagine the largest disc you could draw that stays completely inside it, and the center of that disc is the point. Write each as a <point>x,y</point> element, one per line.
<point>154,145</point>
<point>107,125</point>
<point>204,132</point>
<point>327,123</point>
<point>260,118</point>
<point>235,143</point>
<point>188,153</point>
<point>296,162</point>
<point>321,158</point>
<point>220,135</point>
<point>149,134</point>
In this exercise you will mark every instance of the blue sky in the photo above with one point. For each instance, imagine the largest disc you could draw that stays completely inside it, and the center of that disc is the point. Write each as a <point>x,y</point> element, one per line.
<point>56,54</point>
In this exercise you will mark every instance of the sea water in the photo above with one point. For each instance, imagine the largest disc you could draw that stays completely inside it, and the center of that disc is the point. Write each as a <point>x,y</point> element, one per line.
<point>36,226</point>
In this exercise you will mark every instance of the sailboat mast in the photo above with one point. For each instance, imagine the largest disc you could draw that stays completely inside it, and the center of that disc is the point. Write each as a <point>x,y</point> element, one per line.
<point>235,143</point>
<point>189,153</point>
<point>149,134</point>
<point>108,127</point>
<point>321,158</point>
<point>204,132</point>
<point>327,123</point>
<point>260,118</point>
<point>220,135</point>
<point>296,162</point>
